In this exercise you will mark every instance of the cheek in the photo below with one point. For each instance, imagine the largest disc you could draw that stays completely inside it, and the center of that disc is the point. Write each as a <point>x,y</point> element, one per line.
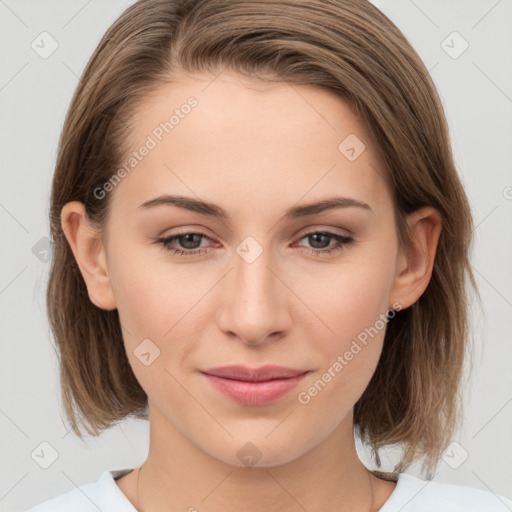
<point>149,292</point>
<point>352,297</point>
<point>149,306</point>
<point>139,303</point>
<point>160,302</point>
<point>349,337</point>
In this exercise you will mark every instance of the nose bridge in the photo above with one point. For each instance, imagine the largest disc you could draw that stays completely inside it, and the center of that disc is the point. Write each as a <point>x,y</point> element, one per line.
<point>253,302</point>
<point>252,277</point>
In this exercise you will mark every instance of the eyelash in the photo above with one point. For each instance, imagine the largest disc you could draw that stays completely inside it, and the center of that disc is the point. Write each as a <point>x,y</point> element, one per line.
<point>341,242</point>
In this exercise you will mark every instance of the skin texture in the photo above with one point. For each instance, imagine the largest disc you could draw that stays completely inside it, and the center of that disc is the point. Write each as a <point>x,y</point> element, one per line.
<point>255,151</point>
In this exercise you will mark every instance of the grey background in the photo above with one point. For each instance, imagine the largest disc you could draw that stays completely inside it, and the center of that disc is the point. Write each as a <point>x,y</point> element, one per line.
<point>476,90</point>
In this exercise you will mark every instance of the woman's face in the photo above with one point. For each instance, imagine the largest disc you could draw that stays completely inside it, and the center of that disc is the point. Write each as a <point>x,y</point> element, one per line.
<point>258,293</point>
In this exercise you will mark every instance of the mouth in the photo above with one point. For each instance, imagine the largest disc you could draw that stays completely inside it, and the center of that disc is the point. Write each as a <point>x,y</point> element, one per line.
<point>254,387</point>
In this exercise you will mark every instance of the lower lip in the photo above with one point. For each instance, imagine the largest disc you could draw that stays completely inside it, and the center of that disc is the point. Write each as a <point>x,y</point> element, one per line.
<point>254,393</point>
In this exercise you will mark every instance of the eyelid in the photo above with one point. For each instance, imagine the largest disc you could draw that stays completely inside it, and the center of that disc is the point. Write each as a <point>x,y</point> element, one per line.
<point>323,227</point>
<point>183,230</point>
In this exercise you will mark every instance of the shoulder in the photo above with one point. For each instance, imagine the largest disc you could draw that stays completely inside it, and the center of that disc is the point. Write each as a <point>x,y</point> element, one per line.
<point>104,494</point>
<point>413,494</point>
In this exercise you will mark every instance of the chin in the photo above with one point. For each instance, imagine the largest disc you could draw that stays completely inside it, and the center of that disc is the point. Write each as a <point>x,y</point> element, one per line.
<point>260,451</point>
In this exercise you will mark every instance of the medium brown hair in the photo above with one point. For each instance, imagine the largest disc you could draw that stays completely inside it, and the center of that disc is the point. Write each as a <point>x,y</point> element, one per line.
<point>346,46</point>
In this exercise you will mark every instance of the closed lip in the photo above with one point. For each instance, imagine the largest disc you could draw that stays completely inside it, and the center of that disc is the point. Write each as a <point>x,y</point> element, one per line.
<point>261,374</point>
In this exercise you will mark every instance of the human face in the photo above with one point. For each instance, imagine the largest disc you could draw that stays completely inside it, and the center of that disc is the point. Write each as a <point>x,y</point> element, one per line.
<point>258,294</point>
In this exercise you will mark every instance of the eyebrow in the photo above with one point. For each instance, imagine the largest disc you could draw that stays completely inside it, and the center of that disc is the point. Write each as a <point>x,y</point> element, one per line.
<point>213,210</point>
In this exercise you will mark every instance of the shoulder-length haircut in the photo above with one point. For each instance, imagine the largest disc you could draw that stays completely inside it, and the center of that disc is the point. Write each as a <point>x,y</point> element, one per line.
<point>346,46</point>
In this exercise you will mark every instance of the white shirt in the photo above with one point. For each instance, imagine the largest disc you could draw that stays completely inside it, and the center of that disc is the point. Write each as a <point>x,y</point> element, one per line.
<point>411,494</point>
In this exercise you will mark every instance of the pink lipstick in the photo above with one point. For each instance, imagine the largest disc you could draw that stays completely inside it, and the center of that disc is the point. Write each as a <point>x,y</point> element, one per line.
<point>257,386</point>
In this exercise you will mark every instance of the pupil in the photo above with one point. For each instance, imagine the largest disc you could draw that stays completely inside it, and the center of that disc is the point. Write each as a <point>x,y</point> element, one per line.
<point>315,240</point>
<point>189,239</point>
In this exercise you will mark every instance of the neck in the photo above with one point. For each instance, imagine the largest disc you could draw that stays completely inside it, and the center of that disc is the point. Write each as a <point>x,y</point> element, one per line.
<point>178,475</point>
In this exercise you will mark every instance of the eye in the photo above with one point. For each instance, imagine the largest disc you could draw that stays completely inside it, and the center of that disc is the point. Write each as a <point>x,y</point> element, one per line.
<point>190,242</point>
<point>320,238</point>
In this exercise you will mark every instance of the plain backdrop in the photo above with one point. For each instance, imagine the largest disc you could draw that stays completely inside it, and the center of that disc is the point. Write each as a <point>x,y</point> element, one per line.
<point>475,84</point>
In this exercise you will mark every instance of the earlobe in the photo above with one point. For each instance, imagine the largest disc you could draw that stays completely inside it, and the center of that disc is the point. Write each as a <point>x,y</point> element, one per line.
<point>414,266</point>
<point>89,253</point>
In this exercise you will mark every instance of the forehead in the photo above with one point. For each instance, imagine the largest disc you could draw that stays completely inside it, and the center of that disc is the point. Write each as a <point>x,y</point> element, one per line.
<point>239,141</point>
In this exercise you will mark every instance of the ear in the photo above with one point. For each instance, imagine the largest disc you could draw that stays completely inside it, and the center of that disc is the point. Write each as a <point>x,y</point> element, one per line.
<point>414,266</point>
<point>87,247</point>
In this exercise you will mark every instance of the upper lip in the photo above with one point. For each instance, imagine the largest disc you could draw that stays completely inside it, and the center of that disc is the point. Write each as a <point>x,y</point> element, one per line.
<point>263,373</point>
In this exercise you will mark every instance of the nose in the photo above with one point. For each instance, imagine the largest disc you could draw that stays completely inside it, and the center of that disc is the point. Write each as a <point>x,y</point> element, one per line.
<point>254,300</point>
